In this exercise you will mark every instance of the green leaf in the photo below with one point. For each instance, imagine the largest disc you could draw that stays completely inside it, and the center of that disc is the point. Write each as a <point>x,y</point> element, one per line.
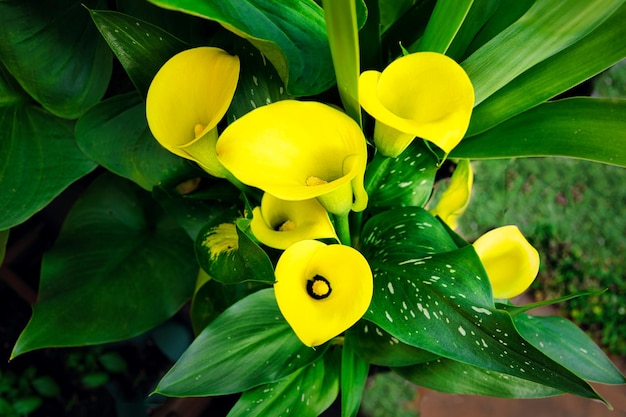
<point>227,254</point>
<point>564,342</point>
<point>354,372</point>
<point>46,387</point>
<point>431,296</point>
<point>55,53</point>
<point>249,345</point>
<point>31,137</point>
<point>548,27</point>
<point>453,377</point>
<point>479,13</point>
<point>403,181</point>
<point>585,128</point>
<point>378,347</point>
<point>4,238</point>
<point>343,37</point>
<point>291,35</point>
<point>141,47</point>
<point>594,53</point>
<point>444,23</point>
<point>118,268</point>
<point>407,28</point>
<point>305,393</point>
<point>115,134</point>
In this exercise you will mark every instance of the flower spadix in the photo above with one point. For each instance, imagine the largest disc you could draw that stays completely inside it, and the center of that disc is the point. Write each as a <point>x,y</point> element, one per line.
<point>187,98</point>
<point>425,94</point>
<point>322,289</point>
<point>279,224</point>
<point>511,262</point>
<point>455,199</point>
<point>296,151</point>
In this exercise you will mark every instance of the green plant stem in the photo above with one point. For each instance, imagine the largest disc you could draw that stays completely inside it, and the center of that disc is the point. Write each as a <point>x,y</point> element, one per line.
<point>342,226</point>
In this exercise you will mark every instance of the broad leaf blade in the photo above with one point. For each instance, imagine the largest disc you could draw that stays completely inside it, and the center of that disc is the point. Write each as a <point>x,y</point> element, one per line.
<point>115,238</point>
<point>585,128</point>
<point>354,372</point>
<point>291,35</point>
<point>443,25</point>
<point>56,54</point>
<point>31,137</point>
<point>249,345</point>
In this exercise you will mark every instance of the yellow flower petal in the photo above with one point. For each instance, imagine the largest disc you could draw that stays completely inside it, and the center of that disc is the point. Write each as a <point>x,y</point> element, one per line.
<point>298,150</point>
<point>279,223</point>
<point>187,98</point>
<point>321,289</point>
<point>455,199</point>
<point>511,262</point>
<point>425,94</point>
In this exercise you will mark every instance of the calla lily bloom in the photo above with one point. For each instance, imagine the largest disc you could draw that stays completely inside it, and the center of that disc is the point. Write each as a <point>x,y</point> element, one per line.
<point>279,224</point>
<point>187,98</point>
<point>455,199</point>
<point>298,150</point>
<point>322,289</point>
<point>425,94</point>
<point>511,262</point>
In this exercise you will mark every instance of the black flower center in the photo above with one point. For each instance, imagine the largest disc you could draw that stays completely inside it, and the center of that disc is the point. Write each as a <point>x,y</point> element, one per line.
<point>318,287</point>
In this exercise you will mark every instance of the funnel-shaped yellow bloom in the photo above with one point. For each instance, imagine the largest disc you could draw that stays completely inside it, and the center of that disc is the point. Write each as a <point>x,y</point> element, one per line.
<point>299,150</point>
<point>321,289</point>
<point>425,94</point>
<point>510,261</point>
<point>187,98</point>
<point>279,224</point>
<point>455,199</point>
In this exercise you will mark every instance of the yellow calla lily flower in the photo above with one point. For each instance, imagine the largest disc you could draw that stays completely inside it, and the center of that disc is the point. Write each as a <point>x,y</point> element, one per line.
<point>511,262</point>
<point>187,98</point>
<point>455,199</point>
<point>425,94</point>
<point>322,289</point>
<point>298,150</point>
<point>279,224</point>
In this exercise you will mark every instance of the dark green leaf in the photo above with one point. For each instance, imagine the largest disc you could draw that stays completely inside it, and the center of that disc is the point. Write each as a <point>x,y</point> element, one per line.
<point>31,137</point>
<point>291,35</point>
<point>141,47</point>
<point>249,345</point>
<point>55,53</point>
<point>115,134</point>
<point>305,393</point>
<point>447,18</point>
<point>118,268</point>
<point>548,27</point>
<point>354,372</point>
<point>113,362</point>
<point>4,238</point>
<point>446,375</point>
<point>585,128</point>
<point>480,13</point>
<point>46,387</point>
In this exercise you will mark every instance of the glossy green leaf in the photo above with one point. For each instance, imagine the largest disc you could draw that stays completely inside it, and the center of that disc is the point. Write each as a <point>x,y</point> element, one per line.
<point>227,254</point>
<point>548,27</point>
<point>564,342</point>
<point>354,372</point>
<point>249,345</point>
<point>141,47</point>
<point>453,377</point>
<point>378,347</point>
<point>55,53</point>
<point>585,128</point>
<point>115,239</point>
<point>431,296</point>
<point>478,15</point>
<point>403,181</point>
<point>597,51</point>
<point>115,134</point>
<point>291,35</point>
<point>31,137</point>
<point>305,393</point>
<point>447,18</point>
<point>343,37</point>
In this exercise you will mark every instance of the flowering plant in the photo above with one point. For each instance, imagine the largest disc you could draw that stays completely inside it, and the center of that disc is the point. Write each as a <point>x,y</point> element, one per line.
<point>234,173</point>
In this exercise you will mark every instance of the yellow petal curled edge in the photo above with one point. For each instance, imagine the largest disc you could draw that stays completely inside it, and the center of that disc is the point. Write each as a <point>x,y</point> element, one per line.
<point>187,98</point>
<point>425,94</point>
<point>279,224</point>
<point>511,262</point>
<point>455,199</point>
<point>322,290</point>
<point>299,150</point>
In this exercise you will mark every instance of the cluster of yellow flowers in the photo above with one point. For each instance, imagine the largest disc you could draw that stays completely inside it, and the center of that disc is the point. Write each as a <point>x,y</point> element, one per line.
<point>310,160</point>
